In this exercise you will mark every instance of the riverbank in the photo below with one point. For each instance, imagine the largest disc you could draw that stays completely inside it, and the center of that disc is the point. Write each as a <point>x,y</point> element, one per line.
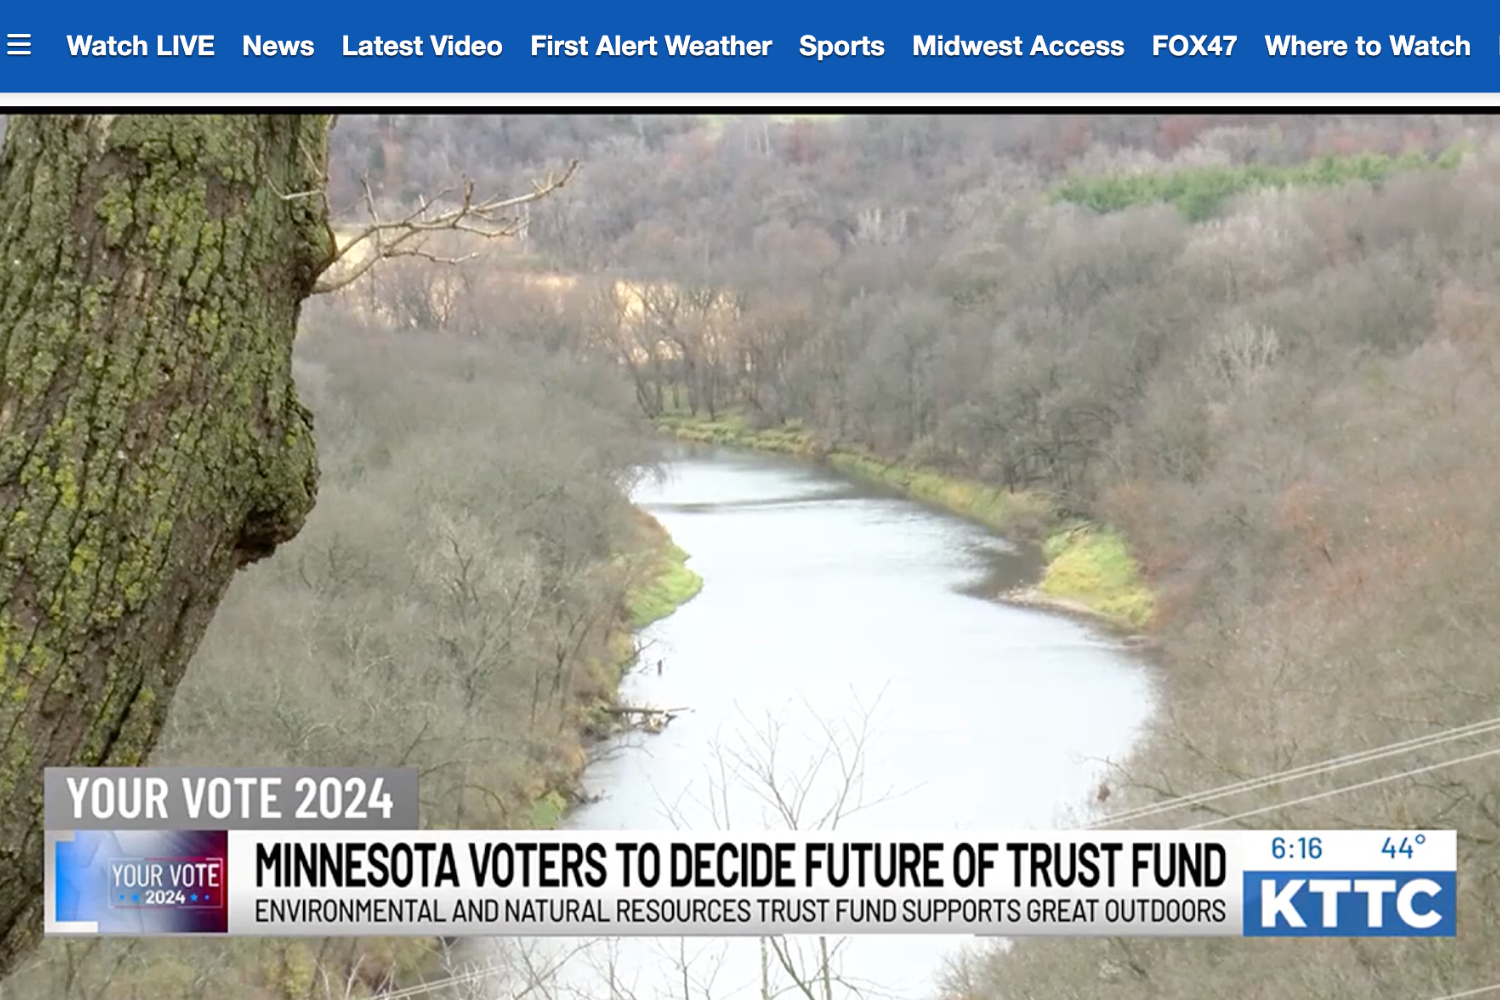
<point>1088,568</point>
<point>658,582</point>
<point>667,583</point>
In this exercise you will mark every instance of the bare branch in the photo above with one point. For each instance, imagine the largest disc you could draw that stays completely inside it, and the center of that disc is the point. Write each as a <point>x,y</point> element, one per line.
<point>378,240</point>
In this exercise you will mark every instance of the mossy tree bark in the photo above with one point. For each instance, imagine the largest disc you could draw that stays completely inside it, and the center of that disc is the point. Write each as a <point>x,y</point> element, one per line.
<point>152,268</point>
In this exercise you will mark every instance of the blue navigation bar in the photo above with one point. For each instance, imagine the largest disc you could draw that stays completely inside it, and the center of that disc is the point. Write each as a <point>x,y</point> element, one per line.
<point>673,47</point>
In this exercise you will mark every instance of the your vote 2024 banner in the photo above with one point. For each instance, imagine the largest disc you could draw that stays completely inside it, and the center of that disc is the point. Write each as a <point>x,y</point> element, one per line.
<point>527,883</point>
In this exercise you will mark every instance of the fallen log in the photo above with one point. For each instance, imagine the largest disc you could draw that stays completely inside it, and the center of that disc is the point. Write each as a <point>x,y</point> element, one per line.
<point>643,710</point>
<point>652,720</point>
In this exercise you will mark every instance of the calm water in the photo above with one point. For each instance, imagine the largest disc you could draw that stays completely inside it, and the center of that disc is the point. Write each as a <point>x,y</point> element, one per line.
<point>828,611</point>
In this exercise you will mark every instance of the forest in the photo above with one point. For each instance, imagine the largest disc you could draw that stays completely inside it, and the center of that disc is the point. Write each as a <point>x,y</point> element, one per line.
<point>1238,374</point>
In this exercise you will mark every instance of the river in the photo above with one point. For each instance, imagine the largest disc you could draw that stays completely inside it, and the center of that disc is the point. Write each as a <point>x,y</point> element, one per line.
<point>830,610</point>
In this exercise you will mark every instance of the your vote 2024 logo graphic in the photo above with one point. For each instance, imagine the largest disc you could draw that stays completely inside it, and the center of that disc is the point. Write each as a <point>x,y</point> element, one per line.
<point>144,882</point>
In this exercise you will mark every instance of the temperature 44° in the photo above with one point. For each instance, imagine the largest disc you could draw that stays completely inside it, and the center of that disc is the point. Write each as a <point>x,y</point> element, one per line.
<point>1403,847</point>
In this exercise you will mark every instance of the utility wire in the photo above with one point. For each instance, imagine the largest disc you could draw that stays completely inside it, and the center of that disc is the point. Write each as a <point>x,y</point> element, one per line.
<point>473,975</point>
<point>1306,771</point>
<point>1477,991</point>
<point>1347,788</point>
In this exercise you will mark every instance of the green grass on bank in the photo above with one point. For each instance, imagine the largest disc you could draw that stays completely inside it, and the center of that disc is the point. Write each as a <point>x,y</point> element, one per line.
<point>733,430</point>
<point>1199,192</point>
<point>1091,565</point>
<point>548,811</point>
<point>1088,567</point>
<point>1022,515</point>
<point>669,587</point>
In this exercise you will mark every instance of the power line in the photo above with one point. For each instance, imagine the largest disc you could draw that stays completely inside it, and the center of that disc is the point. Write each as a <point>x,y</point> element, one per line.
<point>473,975</point>
<point>1347,788</point>
<point>1306,771</point>
<point>1478,991</point>
<point>1309,770</point>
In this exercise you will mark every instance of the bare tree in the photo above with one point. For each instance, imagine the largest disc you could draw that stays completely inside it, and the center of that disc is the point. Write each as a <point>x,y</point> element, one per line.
<point>760,777</point>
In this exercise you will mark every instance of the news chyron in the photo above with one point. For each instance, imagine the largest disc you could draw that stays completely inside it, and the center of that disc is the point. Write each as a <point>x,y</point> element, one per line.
<point>328,851</point>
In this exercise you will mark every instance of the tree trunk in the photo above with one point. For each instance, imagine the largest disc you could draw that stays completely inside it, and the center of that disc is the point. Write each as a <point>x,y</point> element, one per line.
<point>151,272</point>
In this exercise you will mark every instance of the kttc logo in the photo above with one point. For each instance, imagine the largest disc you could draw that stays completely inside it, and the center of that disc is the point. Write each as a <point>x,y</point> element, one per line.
<point>1350,904</point>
